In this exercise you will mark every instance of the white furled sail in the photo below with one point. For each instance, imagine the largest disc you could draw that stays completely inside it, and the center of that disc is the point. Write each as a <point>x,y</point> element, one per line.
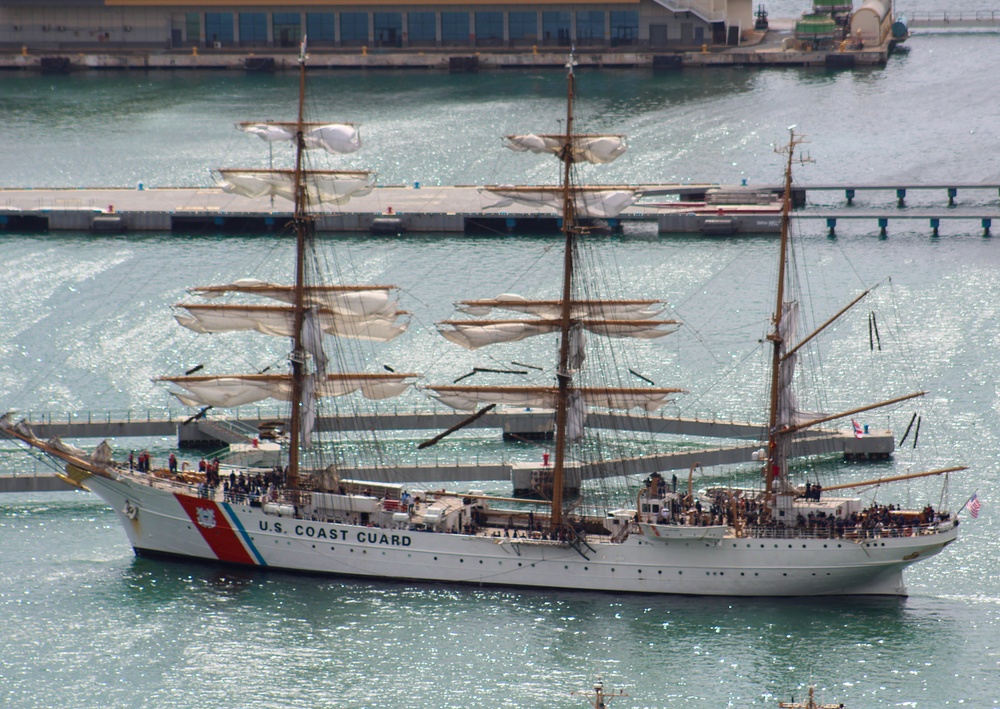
<point>594,149</point>
<point>552,309</point>
<point>466,398</point>
<point>788,413</point>
<point>334,138</point>
<point>322,187</point>
<point>473,334</point>
<point>279,321</point>
<point>228,391</point>
<point>352,300</point>
<point>596,203</point>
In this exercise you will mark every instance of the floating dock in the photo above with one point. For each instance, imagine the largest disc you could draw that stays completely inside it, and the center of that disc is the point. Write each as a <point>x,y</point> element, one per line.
<point>513,423</point>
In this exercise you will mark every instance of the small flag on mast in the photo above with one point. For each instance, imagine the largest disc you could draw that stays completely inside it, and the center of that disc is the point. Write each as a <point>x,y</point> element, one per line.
<point>973,505</point>
<point>858,431</point>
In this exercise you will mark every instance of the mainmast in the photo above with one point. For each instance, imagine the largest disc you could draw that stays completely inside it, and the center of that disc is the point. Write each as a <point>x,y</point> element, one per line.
<point>301,223</point>
<point>776,459</point>
<point>563,375</point>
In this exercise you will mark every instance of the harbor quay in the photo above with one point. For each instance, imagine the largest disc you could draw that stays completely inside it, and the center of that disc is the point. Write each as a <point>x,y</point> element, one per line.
<point>762,54</point>
<point>705,208</point>
<point>454,36</point>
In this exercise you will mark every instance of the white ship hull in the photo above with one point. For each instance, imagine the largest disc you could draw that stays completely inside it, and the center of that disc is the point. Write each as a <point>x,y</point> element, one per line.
<point>167,523</point>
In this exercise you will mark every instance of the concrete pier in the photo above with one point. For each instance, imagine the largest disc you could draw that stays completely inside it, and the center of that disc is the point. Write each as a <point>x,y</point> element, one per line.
<point>763,49</point>
<point>704,208</point>
<point>386,210</point>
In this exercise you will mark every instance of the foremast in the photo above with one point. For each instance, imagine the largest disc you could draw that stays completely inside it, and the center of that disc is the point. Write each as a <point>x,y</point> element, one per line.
<point>307,311</point>
<point>303,226</point>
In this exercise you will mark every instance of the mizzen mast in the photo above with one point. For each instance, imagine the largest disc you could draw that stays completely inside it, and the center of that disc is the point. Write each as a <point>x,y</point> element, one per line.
<point>777,459</point>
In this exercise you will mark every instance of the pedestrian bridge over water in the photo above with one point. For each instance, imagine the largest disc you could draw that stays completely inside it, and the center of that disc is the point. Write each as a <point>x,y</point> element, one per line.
<point>741,440</point>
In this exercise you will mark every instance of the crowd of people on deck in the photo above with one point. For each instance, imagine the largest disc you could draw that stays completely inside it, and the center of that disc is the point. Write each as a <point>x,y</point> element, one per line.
<point>875,521</point>
<point>141,463</point>
<point>253,489</point>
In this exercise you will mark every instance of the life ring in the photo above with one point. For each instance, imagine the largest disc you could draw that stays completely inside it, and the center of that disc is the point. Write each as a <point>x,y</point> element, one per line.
<point>130,510</point>
<point>908,532</point>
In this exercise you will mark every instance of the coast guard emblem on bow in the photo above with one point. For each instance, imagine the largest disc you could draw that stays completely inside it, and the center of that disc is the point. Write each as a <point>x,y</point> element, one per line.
<point>206,518</point>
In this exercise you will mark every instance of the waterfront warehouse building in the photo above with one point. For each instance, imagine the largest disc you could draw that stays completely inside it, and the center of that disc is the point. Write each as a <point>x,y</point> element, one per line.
<point>382,25</point>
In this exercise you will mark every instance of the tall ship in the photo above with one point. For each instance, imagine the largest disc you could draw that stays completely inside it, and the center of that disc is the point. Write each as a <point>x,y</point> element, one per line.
<point>593,526</point>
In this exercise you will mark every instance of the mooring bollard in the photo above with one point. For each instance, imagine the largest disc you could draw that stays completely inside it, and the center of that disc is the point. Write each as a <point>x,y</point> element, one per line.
<point>883,224</point>
<point>935,223</point>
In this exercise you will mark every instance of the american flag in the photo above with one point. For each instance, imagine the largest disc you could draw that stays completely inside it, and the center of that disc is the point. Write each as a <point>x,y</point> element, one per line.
<point>973,505</point>
<point>858,431</point>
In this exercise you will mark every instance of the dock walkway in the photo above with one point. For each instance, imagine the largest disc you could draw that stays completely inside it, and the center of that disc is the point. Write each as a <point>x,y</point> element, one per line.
<point>514,424</point>
<point>463,209</point>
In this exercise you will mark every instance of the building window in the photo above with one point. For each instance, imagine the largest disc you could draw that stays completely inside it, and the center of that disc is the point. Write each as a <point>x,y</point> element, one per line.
<point>489,28</point>
<point>522,25</point>
<point>320,26</point>
<point>555,28</point>
<point>590,27</point>
<point>388,29</point>
<point>219,28</point>
<point>421,26</point>
<point>287,28</point>
<point>455,27</point>
<point>354,27</point>
<point>253,28</point>
<point>624,27</point>
<point>192,21</point>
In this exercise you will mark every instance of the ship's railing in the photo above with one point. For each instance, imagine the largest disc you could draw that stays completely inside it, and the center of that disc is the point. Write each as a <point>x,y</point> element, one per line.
<point>960,16</point>
<point>848,533</point>
<point>255,413</point>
